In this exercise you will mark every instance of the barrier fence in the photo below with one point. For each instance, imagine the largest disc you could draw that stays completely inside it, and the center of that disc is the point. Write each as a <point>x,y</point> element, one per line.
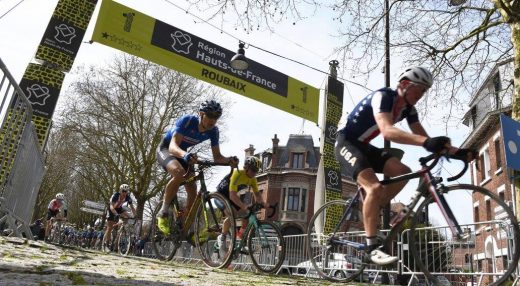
<point>22,166</point>
<point>475,260</point>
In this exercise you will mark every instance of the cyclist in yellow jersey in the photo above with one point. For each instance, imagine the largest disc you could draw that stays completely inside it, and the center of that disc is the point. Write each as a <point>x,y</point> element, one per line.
<point>231,185</point>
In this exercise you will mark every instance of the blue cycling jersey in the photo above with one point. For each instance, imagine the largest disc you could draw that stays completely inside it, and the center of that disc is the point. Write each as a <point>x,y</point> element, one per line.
<point>188,127</point>
<point>361,123</point>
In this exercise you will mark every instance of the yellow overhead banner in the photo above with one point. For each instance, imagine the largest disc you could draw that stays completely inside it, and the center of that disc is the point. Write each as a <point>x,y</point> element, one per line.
<point>133,32</point>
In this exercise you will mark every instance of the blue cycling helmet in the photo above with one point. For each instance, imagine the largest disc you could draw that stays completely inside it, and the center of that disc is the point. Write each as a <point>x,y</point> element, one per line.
<point>211,108</point>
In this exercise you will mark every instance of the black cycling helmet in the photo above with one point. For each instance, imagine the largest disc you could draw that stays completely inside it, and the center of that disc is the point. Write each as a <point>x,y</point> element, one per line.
<point>211,108</point>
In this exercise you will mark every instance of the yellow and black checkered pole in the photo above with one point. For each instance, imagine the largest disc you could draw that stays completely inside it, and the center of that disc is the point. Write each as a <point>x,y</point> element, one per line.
<point>41,82</point>
<point>328,184</point>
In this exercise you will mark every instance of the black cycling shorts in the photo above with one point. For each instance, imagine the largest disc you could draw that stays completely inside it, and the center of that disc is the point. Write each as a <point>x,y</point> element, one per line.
<point>51,213</point>
<point>355,156</point>
<point>223,188</point>
<point>164,157</point>
<point>111,216</point>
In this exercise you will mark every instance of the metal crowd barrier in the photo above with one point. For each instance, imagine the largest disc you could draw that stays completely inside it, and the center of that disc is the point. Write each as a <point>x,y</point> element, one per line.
<point>457,261</point>
<point>22,166</point>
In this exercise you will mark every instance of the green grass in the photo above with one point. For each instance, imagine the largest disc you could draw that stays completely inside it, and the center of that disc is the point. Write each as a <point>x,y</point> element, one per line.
<point>76,278</point>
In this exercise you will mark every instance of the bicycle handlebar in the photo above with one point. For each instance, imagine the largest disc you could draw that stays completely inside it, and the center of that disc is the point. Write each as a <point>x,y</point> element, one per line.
<point>257,207</point>
<point>436,158</point>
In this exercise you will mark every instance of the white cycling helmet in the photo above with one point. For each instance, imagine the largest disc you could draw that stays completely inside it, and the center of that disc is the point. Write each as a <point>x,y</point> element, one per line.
<point>124,187</point>
<point>418,75</point>
<point>60,196</point>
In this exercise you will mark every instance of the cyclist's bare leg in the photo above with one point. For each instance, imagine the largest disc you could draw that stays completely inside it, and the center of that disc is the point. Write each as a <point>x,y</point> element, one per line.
<point>372,201</point>
<point>108,232</point>
<point>177,172</point>
<point>394,167</point>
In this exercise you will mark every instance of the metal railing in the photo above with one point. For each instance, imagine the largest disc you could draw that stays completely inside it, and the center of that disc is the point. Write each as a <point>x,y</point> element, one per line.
<point>457,261</point>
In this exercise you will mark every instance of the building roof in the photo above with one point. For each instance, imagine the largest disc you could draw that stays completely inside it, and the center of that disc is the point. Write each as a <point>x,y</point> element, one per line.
<point>481,132</point>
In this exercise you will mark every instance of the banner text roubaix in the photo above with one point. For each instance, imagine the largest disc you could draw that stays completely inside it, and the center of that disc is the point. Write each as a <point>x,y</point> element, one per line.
<point>128,30</point>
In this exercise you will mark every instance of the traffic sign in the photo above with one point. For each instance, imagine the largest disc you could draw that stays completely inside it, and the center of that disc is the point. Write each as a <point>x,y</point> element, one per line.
<point>94,205</point>
<point>92,211</point>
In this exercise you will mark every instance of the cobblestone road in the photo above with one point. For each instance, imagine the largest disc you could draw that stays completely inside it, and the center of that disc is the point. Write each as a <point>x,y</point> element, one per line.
<point>37,263</point>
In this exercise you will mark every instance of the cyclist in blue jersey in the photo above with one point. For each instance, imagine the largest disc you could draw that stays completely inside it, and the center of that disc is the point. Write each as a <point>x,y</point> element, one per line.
<point>173,155</point>
<point>377,113</point>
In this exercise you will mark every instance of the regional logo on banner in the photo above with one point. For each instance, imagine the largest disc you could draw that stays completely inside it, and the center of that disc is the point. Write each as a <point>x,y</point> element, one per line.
<point>332,116</point>
<point>64,34</point>
<point>128,30</point>
<point>41,86</point>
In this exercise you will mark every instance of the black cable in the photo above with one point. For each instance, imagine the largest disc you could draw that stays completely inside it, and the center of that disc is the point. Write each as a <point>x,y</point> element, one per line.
<point>11,9</point>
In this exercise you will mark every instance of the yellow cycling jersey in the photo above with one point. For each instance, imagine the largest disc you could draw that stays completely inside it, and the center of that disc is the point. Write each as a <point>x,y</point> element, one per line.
<point>239,179</point>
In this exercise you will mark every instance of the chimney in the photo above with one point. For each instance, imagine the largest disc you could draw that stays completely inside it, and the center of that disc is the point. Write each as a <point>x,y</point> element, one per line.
<point>274,156</point>
<point>275,142</point>
<point>250,151</point>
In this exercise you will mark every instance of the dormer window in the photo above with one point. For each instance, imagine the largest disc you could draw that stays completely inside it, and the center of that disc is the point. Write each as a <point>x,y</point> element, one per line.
<point>297,160</point>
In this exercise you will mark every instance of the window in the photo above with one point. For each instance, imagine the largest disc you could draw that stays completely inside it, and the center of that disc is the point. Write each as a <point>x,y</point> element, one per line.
<point>265,161</point>
<point>294,199</point>
<point>498,155</point>
<point>475,214</point>
<point>485,170</point>
<point>497,87</point>
<point>502,196</point>
<point>297,161</point>
<point>488,210</point>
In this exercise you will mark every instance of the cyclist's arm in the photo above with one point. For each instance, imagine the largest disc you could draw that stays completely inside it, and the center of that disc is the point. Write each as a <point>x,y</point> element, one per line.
<point>417,128</point>
<point>218,157</point>
<point>174,148</point>
<point>133,210</point>
<point>394,134</point>
<point>233,196</point>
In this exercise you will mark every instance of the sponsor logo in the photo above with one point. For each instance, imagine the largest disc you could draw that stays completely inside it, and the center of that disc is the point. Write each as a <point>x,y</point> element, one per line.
<point>122,41</point>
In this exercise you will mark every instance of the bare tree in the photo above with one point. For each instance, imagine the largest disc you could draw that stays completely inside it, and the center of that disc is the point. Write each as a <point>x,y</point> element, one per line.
<point>458,43</point>
<point>117,116</point>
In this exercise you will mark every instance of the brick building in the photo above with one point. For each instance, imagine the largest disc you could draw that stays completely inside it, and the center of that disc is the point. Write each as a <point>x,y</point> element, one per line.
<point>288,176</point>
<point>492,99</point>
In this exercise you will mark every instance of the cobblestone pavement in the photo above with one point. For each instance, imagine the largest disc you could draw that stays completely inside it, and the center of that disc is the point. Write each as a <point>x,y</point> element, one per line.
<point>25,262</point>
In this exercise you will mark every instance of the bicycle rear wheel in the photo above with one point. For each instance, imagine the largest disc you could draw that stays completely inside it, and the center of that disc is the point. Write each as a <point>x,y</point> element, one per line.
<point>266,246</point>
<point>336,255</point>
<point>163,245</point>
<point>211,214</point>
<point>491,241</point>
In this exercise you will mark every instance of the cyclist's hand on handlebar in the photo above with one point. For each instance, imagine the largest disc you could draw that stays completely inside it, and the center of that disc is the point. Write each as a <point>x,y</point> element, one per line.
<point>233,161</point>
<point>466,155</point>
<point>437,145</point>
<point>190,158</point>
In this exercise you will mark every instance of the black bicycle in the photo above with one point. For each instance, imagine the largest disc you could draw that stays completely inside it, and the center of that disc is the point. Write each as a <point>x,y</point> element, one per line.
<point>338,254</point>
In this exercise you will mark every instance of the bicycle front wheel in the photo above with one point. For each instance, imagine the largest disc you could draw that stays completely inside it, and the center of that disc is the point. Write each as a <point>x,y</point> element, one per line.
<point>335,245</point>
<point>266,247</point>
<point>124,241</point>
<point>212,214</point>
<point>488,239</point>
<point>163,245</point>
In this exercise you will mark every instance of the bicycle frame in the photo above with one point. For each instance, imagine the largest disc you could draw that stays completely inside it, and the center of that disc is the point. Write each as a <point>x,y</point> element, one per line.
<point>429,186</point>
<point>199,199</point>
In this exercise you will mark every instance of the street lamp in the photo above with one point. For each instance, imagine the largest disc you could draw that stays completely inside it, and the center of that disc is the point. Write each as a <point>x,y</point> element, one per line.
<point>239,61</point>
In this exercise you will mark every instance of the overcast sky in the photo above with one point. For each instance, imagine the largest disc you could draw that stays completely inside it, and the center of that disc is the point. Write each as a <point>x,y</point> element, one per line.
<point>310,41</point>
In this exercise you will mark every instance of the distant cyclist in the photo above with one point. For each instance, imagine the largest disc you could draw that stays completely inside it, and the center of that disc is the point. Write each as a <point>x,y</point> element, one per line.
<point>230,186</point>
<point>56,206</point>
<point>377,113</point>
<point>116,209</point>
<point>173,155</point>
